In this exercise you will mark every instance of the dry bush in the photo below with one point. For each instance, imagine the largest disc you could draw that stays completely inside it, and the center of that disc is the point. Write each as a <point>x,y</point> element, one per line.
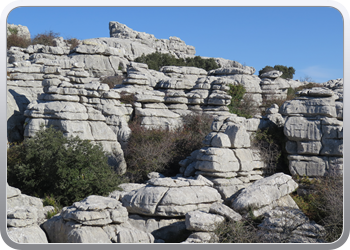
<point>244,231</point>
<point>46,38</point>
<point>112,81</point>
<point>160,150</point>
<point>73,42</point>
<point>127,98</point>
<point>324,203</point>
<point>270,143</point>
<point>17,41</point>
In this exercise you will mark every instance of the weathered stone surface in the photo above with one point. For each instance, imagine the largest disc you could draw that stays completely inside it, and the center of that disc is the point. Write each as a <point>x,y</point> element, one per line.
<point>302,128</point>
<point>223,210</point>
<point>32,234</point>
<point>289,225</point>
<point>87,235</point>
<point>238,136</point>
<point>315,165</point>
<point>217,160</point>
<point>272,74</point>
<point>310,106</point>
<point>263,192</point>
<point>170,197</point>
<point>202,221</point>
<point>201,237</point>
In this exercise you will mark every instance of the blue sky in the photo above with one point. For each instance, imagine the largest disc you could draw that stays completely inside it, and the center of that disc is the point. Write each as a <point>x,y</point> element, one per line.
<point>310,39</point>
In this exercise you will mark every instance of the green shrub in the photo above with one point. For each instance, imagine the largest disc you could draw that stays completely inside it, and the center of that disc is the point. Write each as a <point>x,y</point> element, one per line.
<point>288,72</point>
<point>13,31</point>
<point>160,150</point>
<point>68,168</point>
<point>241,104</point>
<point>49,200</point>
<point>157,60</point>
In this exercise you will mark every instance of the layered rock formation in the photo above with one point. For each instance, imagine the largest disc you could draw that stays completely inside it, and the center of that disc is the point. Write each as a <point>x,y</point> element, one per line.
<point>314,129</point>
<point>24,215</point>
<point>60,87</point>
<point>18,30</point>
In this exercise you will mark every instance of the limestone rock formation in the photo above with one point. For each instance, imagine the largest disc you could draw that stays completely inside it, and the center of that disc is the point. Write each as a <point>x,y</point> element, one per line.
<point>24,215</point>
<point>18,30</point>
<point>314,129</point>
<point>171,197</point>
<point>265,194</point>
<point>289,225</point>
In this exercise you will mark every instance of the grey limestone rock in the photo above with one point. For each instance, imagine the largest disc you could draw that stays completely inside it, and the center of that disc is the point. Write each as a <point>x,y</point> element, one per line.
<point>289,225</point>
<point>263,192</point>
<point>202,222</point>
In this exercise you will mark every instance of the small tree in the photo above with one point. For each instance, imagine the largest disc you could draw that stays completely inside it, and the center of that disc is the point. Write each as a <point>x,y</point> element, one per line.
<point>67,168</point>
<point>288,72</point>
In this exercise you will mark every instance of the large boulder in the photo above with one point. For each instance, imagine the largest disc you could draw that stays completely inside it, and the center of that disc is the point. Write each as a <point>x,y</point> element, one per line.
<point>265,194</point>
<point>171,197</point>
<point>24,215</point>
<point>289,225</point>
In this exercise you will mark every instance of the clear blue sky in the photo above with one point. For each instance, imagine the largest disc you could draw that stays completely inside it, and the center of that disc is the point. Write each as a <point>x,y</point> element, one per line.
<point>310,39</point>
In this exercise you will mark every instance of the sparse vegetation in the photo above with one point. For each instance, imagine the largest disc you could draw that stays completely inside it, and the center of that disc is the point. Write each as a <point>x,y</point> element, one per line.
<point>271,145</point>
<point>160,150</point>
<point>241,103</point>
<point>324,203</point>
<point>157,60</point>
<point>112,81</point>
<point>17,41</point>
<point>46,38</point>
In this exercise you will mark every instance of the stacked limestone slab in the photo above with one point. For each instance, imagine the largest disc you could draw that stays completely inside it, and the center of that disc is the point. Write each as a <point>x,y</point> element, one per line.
<point>275,87</point>
<point>174,45</point>
<point>24,215</point>
<point>243,75</point>
<point>314,132</point>
<point>228,160</point>
<point>79,106</point>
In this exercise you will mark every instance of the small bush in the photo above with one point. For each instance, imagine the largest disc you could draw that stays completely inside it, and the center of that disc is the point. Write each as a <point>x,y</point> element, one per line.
<point>46,38</point>
<point>244,231</point>
<point>112,81</point>
<point>324,204</point>
<point>73,42</point>
<point>49,200</point>
<point>271,143</point>
<point>127,98</point>
<point>68,168</point>
<point>160,150</point>
<point>14,40</point>
<point>241,104</point>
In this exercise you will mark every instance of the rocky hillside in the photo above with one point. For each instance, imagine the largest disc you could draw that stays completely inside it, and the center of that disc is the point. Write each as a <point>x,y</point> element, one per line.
<point>63,87</point>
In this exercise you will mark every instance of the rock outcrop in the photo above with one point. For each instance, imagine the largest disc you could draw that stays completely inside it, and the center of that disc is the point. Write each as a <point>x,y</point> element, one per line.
<point>314,129</point>
<point>19,30</point>
<point>289,225</point>
<point>24,216</point>
<point>223,181</point>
